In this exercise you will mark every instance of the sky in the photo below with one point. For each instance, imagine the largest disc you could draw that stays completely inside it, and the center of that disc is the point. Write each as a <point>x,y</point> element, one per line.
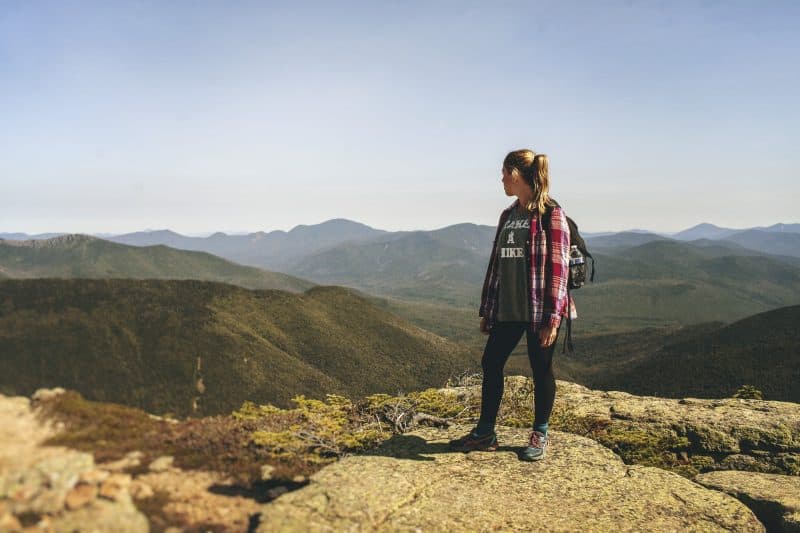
<point>255,116</point>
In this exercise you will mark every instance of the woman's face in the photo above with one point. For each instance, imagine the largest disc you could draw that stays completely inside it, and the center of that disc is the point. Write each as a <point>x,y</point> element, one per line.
<point>508,182</point>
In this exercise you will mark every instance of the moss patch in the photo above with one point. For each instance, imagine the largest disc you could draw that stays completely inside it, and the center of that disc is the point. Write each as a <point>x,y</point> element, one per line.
<point>218,443</point>
<point>779,438</point>
<point>107,430</point>
<point>650,448</point>
<point>703,463</point>
<point>705,439</point>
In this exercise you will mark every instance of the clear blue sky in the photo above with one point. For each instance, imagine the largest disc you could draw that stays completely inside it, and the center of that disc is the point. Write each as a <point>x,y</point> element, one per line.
<point>244,116</point>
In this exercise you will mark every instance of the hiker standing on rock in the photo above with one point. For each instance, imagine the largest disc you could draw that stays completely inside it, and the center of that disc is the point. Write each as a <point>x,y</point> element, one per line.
<point>525,291</point>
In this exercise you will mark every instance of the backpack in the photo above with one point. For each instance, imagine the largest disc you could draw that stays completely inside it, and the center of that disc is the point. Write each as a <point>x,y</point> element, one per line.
<point>577,265</point>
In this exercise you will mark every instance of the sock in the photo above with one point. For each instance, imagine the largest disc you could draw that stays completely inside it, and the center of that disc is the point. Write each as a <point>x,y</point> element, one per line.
<point>482,430</point>
<point>541,427</point>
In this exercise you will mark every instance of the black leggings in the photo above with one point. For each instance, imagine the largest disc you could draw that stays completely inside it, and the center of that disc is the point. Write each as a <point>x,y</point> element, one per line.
<point>503,338</point>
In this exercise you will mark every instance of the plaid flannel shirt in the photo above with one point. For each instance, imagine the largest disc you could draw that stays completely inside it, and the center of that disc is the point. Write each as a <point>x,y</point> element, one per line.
<point>548,271</point>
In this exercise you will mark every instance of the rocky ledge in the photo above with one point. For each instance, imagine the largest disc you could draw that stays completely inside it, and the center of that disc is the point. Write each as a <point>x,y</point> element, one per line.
<point>414,483</point>
<point>720,434</point>
<point>616,461</point>
<point>705,434</point>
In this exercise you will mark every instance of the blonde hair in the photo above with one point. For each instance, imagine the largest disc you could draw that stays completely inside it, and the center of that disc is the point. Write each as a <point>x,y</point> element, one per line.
<point>535,170</point>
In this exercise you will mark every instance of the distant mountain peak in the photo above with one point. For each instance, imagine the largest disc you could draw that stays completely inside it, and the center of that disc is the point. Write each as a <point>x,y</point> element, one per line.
<point>158,233</point>
<point>781,227</point>
<point>340,219</point>
<point>339,222</point>
<point>706,225</point>
<point>704,230</point>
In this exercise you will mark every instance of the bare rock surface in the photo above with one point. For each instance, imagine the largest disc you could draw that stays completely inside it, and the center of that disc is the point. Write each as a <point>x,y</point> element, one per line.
<point>162,464</point>
<point>414,483</point>
<point>55,486</point>
<point>198,497</point>
<point>774,498</point>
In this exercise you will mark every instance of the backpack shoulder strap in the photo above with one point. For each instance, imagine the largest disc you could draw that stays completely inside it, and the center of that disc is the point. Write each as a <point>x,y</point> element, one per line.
<point>548,213</point>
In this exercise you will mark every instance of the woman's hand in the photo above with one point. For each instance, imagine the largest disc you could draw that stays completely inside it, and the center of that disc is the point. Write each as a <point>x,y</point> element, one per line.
<point>547,336</point>
<point>484,329</point>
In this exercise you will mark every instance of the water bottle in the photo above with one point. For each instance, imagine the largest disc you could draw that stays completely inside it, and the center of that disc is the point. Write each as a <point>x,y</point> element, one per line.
<point>577,267</point>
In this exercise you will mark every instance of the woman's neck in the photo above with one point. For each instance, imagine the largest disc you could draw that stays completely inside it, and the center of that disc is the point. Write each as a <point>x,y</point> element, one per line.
<point>524,201</point>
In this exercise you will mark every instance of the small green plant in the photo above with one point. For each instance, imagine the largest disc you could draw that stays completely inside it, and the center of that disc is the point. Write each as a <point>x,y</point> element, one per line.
<point>251,411</point>
<point>748,392</point>
<point>319,431</point>
<point>406,411</point>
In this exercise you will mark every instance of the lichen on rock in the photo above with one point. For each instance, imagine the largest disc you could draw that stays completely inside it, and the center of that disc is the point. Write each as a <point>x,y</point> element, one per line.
<point>414,482</point>
<point>774,498</point>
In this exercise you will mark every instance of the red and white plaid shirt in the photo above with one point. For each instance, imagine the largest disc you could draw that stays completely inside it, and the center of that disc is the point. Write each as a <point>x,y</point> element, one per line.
<point>549,270</point>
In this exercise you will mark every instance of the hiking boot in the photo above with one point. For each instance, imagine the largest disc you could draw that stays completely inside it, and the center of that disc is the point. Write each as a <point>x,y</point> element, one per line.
<point>537,444</point>
<point>472,441</point>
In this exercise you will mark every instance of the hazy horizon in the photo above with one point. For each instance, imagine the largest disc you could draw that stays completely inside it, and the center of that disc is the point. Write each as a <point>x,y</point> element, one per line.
<point>203,117</point>
<point>246,232</point>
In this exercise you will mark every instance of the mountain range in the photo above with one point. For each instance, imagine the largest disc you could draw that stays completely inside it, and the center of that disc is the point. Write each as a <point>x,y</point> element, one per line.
<point>146,342</point>
<point>259,247</point>
<point>710,231</point>
<point>433,278</point>
<point>82,256</point>
<point>196,347</point>
<point>702,230</point>
<point>202,348</point>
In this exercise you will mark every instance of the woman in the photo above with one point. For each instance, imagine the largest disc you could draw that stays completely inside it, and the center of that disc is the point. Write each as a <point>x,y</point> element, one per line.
<point>525,291</point>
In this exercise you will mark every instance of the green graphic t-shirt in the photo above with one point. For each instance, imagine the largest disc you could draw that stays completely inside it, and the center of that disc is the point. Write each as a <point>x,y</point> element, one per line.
<point>513,301</point>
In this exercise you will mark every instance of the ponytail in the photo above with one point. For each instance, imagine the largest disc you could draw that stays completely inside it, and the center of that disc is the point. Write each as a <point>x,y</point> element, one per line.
<point>541,177</point>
